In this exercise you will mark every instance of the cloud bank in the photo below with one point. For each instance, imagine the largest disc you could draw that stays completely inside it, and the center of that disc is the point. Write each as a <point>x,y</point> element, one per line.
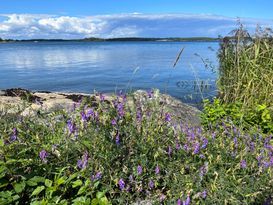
<point>26,26</point>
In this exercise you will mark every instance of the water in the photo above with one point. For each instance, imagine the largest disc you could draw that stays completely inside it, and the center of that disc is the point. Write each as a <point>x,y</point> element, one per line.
<point>109,67</point>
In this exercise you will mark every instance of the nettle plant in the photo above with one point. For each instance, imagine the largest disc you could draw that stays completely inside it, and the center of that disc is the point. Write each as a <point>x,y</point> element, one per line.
<point>123,149</point>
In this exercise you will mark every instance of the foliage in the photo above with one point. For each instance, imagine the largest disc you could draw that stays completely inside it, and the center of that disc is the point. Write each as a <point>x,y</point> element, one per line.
<point>246,67</point>
<point>259,116</point>
<point>124,150</point>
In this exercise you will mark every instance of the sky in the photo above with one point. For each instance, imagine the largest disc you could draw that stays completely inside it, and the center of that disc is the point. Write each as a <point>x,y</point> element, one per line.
<point>25,19</point>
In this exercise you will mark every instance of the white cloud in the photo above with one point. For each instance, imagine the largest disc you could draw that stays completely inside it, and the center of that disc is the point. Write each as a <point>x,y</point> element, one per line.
<point>23,26</point>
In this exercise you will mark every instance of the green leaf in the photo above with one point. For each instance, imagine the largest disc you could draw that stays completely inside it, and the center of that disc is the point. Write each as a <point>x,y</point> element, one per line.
<point>35,180</point>
<point>37,190</point>
<point>77,183</point>
<point>100,194</point>
<point>95,202</point>
<point>19,187</point>
<point>104,201</point>
<point>1,142</point>
<point>3,170</point>
<point>48,183</point>
<point>81,190</point>
<point>60,181</point>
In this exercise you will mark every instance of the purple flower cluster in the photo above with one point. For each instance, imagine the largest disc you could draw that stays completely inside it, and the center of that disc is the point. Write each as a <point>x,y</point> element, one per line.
<point>139,115</point>
<point>157,170</point>
<point>71,126</point>
<point>168,117</point>
<point>82,163</point>
<point>243,164</point>
<point>43,155</point>
<point>102,97</point>
<point>150,93</point>
<point>97,176</point>
<point>121,184</point>
<point>186,202</point>
<point>14,135</point>
<point>139,170</point>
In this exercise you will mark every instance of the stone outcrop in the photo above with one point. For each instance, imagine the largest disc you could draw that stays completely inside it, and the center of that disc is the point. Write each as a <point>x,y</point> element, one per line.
<point>27,102</point>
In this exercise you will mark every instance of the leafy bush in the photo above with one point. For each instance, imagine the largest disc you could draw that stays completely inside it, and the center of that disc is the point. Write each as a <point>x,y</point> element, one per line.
<point>122,151</point>
<point>259,116</point>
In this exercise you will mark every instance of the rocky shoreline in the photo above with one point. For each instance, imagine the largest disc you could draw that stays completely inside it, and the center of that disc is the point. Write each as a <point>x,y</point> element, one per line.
<point>14,99</point>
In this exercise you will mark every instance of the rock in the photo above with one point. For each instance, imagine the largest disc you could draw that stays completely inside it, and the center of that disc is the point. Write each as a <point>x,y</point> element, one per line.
<point>183,112</point>
<point>28,103</point>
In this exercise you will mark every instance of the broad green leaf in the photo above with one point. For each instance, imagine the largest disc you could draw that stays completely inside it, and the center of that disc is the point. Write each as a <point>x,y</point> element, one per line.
<point>48,183</point>
<point>104,201</point>
<point>99,194</point>
<point>81,190</point>
<point>95,202</point>
<point>60,181</point>
<point>19,187</point>
<point>35,180</point>
<point>37,190</point>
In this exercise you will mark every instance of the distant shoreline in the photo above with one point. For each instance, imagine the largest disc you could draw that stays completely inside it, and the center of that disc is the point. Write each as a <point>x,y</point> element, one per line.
<point>127,39</point>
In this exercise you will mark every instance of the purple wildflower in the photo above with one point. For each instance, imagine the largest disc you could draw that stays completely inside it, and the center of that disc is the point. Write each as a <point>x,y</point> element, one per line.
<point>114,122</point>
<point>150,93</point>
<point>83,162</point>
<point>71,126</point>
<point>179,202</point>
<point>139,170</point>
<point>167,117</point>
<point>243,164</point>
<point>151,184</point>
<point>120,109</point>
<point>90,113</point>
<point>97,176</point>
<point>235,140</point>
<point>157,169</point>
<point>84,116</point>
<point>121,184</point>
<point>14,134</point>
<point>188,200</point>
<point>117,139</point>
<point>102,97</point>
<point>186,147</point>
<point>43,155</point>
<point>252,146</point>
<point>266,164</point>
<point>202,156</point>
<point>205,143</point>
<point>138,115</point>
<point>204,194</point>
<point>196,148</point>
<point>178,146</point>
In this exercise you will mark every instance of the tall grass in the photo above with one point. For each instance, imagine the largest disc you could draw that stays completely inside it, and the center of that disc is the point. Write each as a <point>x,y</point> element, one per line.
<point>246,67</point>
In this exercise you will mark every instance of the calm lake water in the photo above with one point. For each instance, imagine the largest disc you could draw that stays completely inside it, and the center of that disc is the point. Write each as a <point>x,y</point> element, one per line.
<point>109,67</point>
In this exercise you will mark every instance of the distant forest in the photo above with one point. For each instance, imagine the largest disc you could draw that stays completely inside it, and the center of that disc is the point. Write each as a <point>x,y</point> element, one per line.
<point>116,39</point>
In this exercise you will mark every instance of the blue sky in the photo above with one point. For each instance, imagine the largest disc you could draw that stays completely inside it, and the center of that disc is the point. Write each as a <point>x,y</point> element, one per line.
<point>119,18</point>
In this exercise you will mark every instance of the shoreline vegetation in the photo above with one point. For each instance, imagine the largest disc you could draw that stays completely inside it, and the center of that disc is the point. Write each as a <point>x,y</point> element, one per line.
<point>135,148</point>
<point>125,39</point>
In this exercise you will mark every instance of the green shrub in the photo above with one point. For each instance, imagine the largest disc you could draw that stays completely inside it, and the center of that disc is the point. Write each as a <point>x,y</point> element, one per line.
<point>217,112</point>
